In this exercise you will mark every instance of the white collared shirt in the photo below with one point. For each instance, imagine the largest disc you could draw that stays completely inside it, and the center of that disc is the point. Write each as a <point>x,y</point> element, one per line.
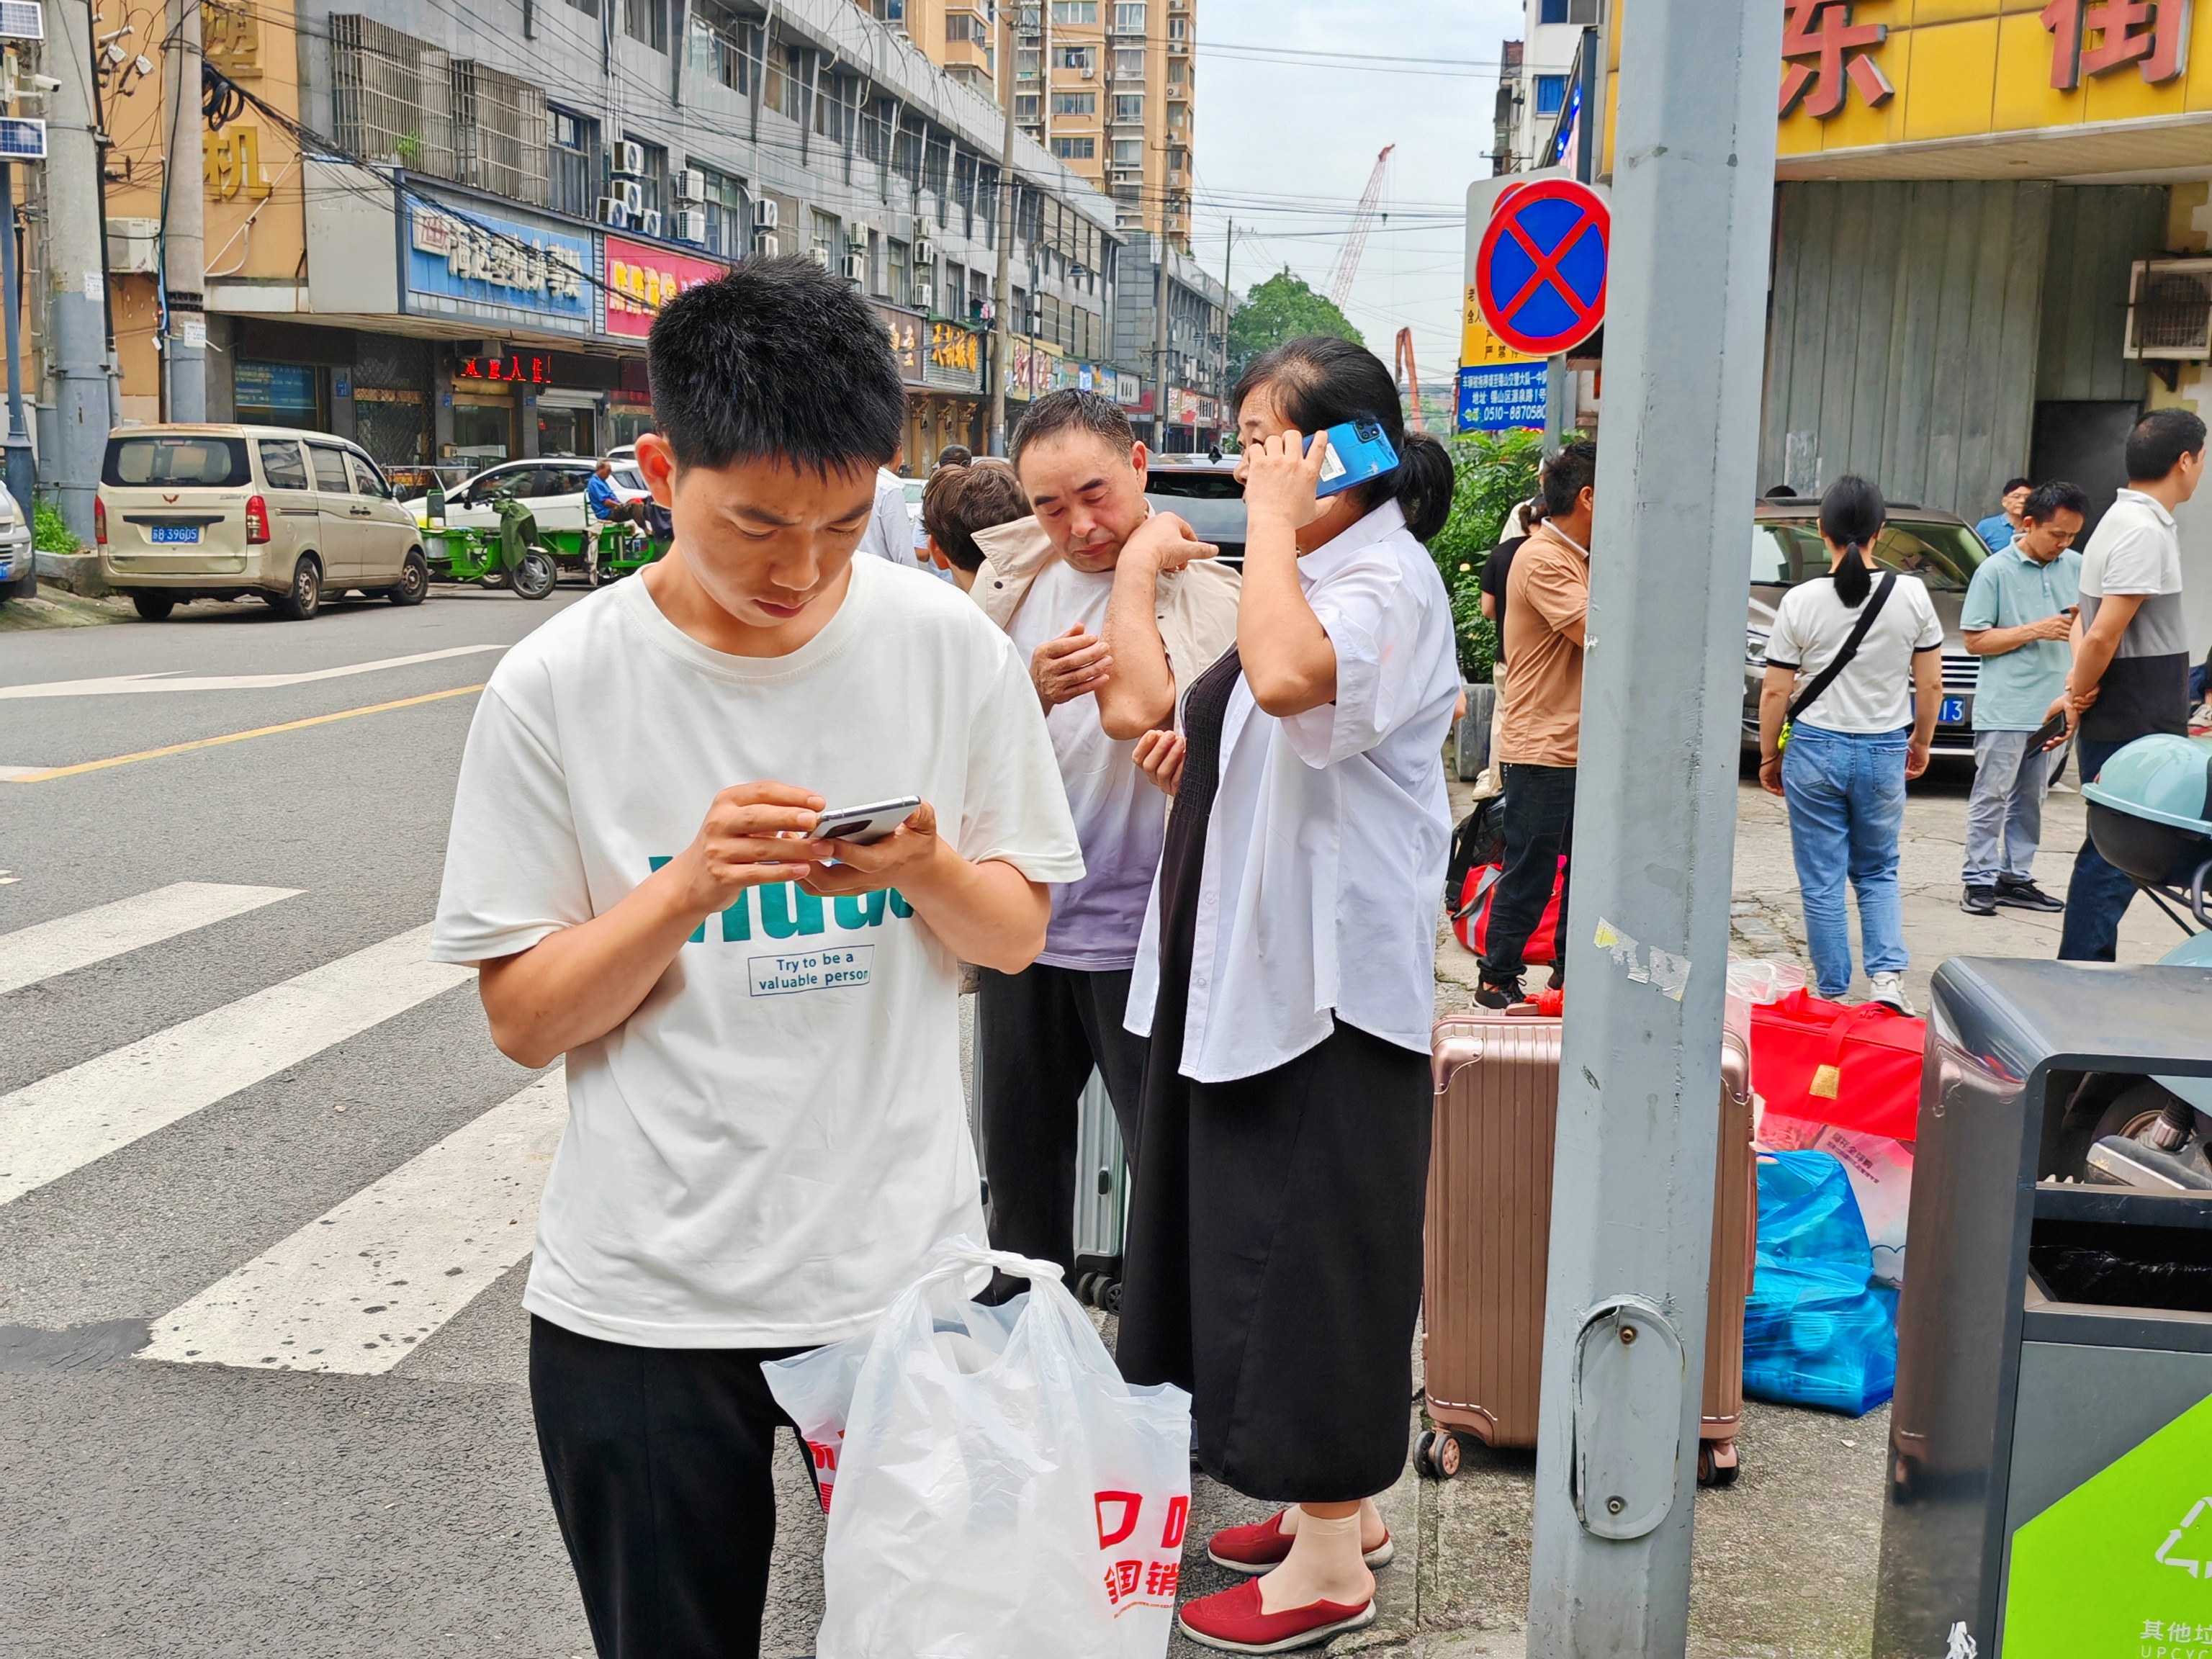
<point>1325,850</point>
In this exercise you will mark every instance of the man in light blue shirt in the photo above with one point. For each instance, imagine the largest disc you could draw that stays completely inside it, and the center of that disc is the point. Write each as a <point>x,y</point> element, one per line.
<point>2018,615</point>
<point>1998,529</point>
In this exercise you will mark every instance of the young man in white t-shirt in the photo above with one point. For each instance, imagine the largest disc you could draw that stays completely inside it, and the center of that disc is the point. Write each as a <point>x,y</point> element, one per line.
<point>1114,608</point>
<point>766,1130</point>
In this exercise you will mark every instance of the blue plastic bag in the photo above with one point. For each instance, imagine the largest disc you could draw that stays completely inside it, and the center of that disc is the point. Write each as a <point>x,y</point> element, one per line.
<point>1814,1333</point>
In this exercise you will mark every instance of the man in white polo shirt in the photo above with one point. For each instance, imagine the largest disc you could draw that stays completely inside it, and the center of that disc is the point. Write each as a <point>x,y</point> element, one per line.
<point>2130,674</point>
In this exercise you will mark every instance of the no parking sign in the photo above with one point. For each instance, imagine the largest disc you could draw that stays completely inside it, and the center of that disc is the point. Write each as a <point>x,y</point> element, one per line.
<point>1540,269</point>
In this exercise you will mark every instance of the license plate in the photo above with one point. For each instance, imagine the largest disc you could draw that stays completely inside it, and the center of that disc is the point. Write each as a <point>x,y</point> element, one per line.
<point>174,532</point>
<point>1951,712</point>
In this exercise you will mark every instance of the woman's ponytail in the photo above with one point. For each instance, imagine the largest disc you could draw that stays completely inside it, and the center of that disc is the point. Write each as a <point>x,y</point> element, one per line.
<point>1423,484</point>
<point>1852,513</point>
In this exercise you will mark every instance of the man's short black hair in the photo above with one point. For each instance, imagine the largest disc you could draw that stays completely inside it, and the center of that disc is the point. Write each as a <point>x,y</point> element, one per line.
<point>2012,484</point>
<point>1072,409</point>
<point>955,455</point>
<point>1567,474</point>
<point>2050,498</point>
<point>778,360</point>
<point>2161,439</point>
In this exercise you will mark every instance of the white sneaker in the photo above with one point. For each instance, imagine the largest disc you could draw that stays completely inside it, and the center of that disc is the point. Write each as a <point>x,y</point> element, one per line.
<point>1889,988</point>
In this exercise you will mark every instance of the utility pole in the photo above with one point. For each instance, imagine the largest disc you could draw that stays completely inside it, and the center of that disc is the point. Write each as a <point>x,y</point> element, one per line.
<point>1001,300</point>
<point>183,237</point>
<point>1640,1076</point>
<point>76,259</point>
<point>21,474</point>
<point>1160,324</point>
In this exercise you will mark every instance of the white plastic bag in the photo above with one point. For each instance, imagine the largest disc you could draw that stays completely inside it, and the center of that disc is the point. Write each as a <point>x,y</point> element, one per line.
<point>1763,980</point>
<point>1881,1174</point>
<point>1002,1501</point>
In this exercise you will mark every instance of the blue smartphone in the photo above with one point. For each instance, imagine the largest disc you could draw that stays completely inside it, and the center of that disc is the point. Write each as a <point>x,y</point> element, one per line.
<point>1357,451</point>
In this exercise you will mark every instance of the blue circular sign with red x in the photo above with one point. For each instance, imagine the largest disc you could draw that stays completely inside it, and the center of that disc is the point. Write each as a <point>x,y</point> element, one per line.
<point>1540,271</point>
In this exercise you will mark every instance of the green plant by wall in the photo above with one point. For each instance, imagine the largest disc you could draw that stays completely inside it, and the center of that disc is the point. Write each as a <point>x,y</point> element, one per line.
<point>49,534</point>
<point>1492,474</point>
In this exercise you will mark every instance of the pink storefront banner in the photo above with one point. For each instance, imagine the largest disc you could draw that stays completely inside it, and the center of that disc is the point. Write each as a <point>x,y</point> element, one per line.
<point>641,278</point>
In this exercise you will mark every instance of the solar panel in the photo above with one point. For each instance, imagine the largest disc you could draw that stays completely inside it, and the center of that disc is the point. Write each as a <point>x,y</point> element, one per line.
<point>22,20</point>
<point>21,140</point>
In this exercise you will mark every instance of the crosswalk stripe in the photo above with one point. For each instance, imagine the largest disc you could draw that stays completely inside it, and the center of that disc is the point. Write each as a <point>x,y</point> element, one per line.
<point>68,943</point>
<point>65,1122</point>
<point>357,1290</point>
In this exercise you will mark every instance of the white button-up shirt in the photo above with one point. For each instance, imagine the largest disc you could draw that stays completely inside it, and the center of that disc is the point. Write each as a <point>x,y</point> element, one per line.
<point>1325,850</point>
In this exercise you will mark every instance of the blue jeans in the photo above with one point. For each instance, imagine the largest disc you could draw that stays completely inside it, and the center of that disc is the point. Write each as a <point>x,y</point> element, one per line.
<point>2099,894</point>
<point>1846,795</point>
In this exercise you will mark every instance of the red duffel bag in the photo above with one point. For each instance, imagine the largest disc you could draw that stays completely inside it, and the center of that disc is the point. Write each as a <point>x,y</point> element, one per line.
<point>1857,1068</point>
<point>1471,920</point>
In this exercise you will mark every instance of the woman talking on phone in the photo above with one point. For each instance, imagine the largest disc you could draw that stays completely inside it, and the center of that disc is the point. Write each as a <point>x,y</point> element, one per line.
<point>1854,674</point>
<point>1285,974</point>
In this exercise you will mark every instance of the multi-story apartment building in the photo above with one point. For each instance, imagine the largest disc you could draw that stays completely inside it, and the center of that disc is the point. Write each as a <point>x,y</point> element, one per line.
<point>456,256</point>
<point>1197,341</point>
<point>1533,84</point>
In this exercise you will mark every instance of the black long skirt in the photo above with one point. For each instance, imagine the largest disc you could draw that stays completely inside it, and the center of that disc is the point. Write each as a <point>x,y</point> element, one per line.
<point>1272,1257</point>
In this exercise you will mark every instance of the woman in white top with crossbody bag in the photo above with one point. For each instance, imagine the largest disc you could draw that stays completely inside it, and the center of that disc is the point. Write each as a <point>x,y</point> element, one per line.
<point>1853,675</point>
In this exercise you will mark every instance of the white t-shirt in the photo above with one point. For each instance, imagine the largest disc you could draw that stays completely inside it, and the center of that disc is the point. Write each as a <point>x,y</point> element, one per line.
<point>1875,691</point>
<point>1120,817</point>
<point>763,1154</point>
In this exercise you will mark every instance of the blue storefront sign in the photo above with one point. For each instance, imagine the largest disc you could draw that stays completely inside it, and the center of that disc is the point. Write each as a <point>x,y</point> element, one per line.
<point>469,264</point>
<point>1502,397</point>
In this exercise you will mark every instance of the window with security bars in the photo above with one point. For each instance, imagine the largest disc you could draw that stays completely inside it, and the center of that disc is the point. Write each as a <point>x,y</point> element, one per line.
<point>571,162</point>
<point>499,133</point>
<point>390,96</point>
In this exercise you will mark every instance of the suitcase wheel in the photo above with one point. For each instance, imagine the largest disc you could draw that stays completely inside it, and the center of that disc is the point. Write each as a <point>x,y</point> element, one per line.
<point>1109,1296</point>
<point>1086,1286</point>
<point>1435,1454</point>
<point>1719,1465</point>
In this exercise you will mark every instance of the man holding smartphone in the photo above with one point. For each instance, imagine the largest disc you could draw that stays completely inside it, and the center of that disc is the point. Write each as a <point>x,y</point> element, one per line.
<point>1116,609</point>
<point>2018,614</point>
<point>766,1132</point>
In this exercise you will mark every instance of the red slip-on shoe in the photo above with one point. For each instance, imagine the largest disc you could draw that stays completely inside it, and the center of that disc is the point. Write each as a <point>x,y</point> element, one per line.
<point>1231,1620</point>
<point>1261,1546</point>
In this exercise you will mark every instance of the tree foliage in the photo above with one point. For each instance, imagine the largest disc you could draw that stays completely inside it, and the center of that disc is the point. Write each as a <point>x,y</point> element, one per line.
<point>1281,308</point>
<point>1492,474</point>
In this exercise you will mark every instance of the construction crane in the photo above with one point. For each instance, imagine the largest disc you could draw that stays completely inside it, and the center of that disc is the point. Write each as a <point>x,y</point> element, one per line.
<point>1408,376</point>
<point>1355,241</point>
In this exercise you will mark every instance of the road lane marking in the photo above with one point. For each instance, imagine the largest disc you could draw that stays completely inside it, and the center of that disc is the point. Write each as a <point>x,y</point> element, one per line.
<point>116,685</point>
<point>65,1122</point>
<point>52,772</point>
<point>68,943</point>
<point>359,1289</point>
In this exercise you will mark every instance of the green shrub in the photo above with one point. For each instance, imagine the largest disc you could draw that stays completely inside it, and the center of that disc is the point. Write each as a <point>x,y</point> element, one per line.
<point>49,534</point>
<point>1492,475</point>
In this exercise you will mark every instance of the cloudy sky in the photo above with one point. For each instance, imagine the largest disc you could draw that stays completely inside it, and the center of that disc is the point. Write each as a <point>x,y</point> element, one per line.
<point>1284,147</point>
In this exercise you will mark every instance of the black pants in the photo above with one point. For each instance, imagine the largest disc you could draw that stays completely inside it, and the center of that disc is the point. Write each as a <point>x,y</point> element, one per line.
<point>626,512</point>
<point>2098,894</point>
<point>1539,826</point>
<point>657,1460</point>
<point>1038,1035</point>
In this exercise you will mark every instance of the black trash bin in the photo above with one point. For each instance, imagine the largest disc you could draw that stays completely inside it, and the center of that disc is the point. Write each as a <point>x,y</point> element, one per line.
<point>2054,1336</point>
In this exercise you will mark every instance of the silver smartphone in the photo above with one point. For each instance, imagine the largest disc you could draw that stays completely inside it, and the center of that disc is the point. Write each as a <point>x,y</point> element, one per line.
<point>862,824</point>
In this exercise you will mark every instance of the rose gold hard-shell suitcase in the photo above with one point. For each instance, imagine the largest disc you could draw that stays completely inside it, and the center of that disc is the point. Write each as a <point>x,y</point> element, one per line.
<point>1489,1225</point>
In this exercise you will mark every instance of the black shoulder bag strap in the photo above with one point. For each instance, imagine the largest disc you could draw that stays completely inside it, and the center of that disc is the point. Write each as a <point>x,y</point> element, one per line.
<point>1827,677</point>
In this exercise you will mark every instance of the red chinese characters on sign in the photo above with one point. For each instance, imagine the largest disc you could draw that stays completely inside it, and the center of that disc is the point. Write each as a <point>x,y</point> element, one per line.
<point>2094,37</point>
<point>642,279</point>
<point>532,371</point>
<point>1824,54</point>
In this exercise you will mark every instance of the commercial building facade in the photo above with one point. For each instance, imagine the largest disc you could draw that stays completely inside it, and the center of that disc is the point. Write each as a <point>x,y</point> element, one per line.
<point>447,239</point>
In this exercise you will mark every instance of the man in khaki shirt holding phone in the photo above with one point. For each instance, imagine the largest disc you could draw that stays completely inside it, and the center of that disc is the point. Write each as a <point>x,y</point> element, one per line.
<point>1116,609</point>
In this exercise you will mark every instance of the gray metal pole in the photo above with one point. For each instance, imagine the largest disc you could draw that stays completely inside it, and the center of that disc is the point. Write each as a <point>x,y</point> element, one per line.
<point>1001,296</point>
<point>183,237</point>
<point>1160,332</point>
<point>1655,824</point>
<point>1559,404</point>
<point>22,473</point>
<point>76,255</point>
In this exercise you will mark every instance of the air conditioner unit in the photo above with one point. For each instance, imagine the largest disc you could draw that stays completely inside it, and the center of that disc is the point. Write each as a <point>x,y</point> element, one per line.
<point>820,256</point>
<point>925,253</point>
<point>925,295</point>
<point>134,246</point>
<point>614,212</point>
<point>650,222</point>
<point>628,158</point>
<point>921,227</point>
<point>631,194</point>
<point>691,225</point>
<point>766,247</point>
<point>2170,310</point>
<point>856,267</point>
<point>1090,72</point>
<point>764,214</point>
<point>692,184</point>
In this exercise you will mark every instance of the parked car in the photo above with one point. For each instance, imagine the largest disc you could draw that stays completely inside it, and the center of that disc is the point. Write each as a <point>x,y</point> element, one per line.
<point>18,571</point>
<point>1938,547</point>
<point>1202,490</point>
<point>196,512</point>
<point>551,486</point>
